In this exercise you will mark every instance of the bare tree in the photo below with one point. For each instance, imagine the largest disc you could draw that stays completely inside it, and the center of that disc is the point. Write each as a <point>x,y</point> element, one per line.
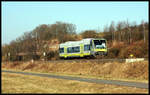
<point>129,31</point>
<point>143,30</point>
<point>119,29</point>
<point>89,34</point>
<point>112,30</point>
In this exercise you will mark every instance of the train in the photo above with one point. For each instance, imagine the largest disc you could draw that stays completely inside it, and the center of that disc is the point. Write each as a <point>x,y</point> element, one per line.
<point>88,47</point>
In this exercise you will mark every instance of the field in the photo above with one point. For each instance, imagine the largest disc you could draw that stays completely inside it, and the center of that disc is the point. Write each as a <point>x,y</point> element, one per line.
<point>17,83</point>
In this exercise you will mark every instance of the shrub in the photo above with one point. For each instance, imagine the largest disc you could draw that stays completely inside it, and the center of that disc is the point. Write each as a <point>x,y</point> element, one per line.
<point>52,55</point>
<point>113,52</point>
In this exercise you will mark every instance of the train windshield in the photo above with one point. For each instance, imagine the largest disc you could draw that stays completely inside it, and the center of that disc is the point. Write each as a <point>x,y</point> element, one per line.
<point>100,44</point>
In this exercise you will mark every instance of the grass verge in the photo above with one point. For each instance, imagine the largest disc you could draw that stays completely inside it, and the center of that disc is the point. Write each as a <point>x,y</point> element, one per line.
<point>17,83</point>
<point>137,71</point>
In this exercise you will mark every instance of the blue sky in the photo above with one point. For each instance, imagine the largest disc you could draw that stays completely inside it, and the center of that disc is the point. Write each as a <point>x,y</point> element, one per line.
<point>20,17</point>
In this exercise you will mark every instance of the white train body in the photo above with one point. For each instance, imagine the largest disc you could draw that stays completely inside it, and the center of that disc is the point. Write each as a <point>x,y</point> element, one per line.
<point>85,47</point>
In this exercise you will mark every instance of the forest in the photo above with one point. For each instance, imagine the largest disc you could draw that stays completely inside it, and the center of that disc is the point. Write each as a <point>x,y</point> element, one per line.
<point>123,38</point>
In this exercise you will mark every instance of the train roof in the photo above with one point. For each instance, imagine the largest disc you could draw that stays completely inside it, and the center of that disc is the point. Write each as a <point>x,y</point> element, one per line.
<point>77,43</point>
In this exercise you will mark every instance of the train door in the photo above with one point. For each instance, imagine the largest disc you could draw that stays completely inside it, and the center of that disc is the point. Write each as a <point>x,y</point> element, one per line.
<point>65,52</point>
<point>92,47</point>
<point>81,50</point>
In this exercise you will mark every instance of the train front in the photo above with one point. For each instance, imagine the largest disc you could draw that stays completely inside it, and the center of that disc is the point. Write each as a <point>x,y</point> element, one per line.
<point>99,47</point>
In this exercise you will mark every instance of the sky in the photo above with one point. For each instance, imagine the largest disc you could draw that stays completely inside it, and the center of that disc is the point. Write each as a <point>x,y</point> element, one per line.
<point>20,17</point>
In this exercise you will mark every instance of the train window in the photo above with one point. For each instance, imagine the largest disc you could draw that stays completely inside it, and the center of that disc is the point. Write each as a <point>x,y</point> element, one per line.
<point>86,47</point>
<point>97,42</point>
<point>103,41</point>
<point>91,43</point>
<point>69,50</point>
<point>73,49</point>
<point>76,49</point>
<point>100,44</point>
<point>61,50</point>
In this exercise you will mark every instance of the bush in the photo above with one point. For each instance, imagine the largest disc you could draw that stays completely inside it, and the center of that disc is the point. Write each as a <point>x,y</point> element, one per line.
<point>52,55</point>
<point>113,52</point>
<point>138,49</point>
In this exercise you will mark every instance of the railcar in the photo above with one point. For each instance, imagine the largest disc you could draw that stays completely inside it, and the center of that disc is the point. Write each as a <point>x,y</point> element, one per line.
<point>89,47</point>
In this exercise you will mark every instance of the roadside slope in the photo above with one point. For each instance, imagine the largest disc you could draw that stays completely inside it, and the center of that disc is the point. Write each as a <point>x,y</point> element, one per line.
<point>134,71</point>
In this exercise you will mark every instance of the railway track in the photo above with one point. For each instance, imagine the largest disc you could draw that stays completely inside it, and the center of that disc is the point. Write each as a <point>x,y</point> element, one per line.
<point>87,60</point>
<point>98,61</point>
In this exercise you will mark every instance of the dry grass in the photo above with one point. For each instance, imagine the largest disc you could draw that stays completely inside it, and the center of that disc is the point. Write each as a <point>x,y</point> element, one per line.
<point>17,83</point>
<point>133,71</point>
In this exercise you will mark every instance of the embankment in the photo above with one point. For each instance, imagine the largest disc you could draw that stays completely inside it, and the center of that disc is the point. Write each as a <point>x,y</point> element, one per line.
<point>135,70</point>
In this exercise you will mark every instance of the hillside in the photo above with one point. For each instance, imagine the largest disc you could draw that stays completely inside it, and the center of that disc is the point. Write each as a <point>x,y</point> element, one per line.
<point>122,40</point>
